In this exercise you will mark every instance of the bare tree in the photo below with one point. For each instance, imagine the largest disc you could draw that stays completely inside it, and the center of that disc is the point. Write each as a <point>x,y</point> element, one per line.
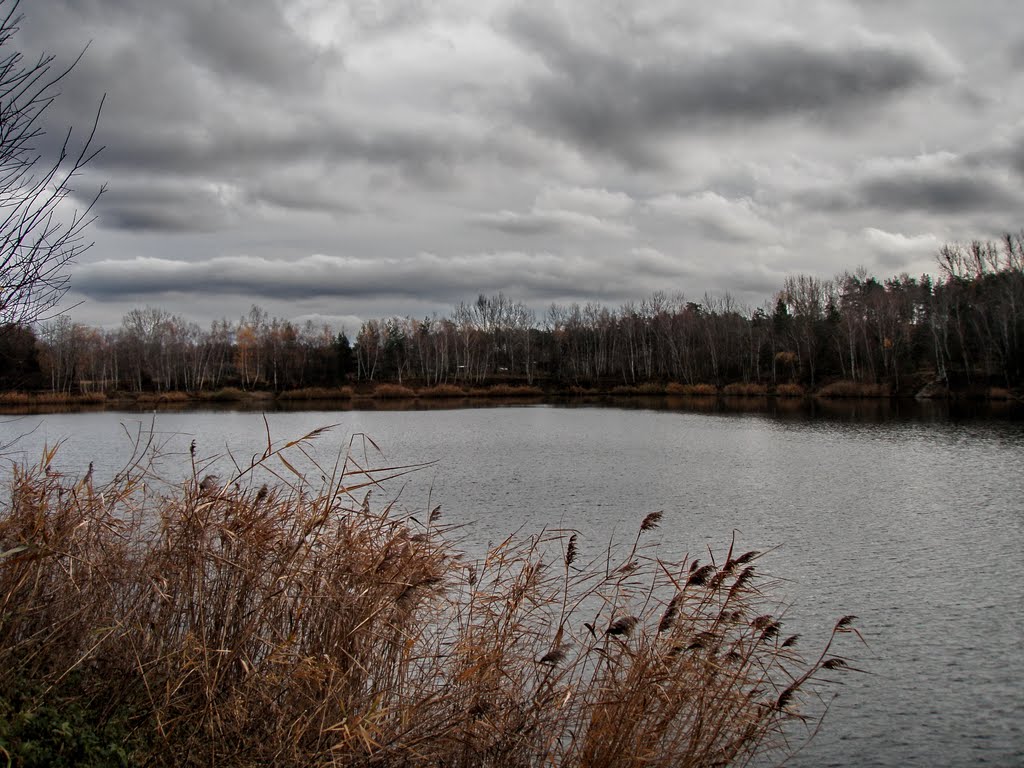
<point>39,235</point>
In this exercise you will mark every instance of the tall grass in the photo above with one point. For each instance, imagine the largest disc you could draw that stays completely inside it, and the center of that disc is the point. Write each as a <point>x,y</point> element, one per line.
<point>237,623</point>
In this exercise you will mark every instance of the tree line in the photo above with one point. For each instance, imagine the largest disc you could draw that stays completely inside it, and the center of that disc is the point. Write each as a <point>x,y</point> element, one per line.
<point>965,327</point>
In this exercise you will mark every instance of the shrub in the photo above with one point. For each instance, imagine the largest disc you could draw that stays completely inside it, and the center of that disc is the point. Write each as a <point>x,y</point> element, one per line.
<point>230,624</point>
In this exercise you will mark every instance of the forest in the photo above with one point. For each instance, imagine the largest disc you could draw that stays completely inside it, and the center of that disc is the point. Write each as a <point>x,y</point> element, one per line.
<point>964,329</point>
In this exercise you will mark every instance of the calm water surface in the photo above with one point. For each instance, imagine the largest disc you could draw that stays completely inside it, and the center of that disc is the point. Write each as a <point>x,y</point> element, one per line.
<point>916,525</point>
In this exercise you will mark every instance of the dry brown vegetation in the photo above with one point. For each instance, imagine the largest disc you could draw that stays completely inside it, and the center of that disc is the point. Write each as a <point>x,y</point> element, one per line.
<point>239,623</point>
<point>441,391</point>
<point>789,390</point>
<point>854,389</point>
<point>52,398</point>
<point>392,391</point>
<point>507,390</point>
<point>691,390</point>
<point>631,390</point>
<point>318,393</point>
<point>745,389</point>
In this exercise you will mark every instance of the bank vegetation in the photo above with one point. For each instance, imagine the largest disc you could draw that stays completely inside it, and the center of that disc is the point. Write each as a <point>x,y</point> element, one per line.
<point>232,622</point>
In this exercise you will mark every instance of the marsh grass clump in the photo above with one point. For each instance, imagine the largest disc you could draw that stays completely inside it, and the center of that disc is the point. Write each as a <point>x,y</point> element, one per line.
<point>507,390</point>
<point>392,392</point>
<point>236,622</point>
<point>789,390</point>
<point>854,389</point>
<point>629,390</point>
<point>441,391</point>
<point>225,395</point>
<point>691,390</point>
<point>745,389</point>
<point>318,393</point>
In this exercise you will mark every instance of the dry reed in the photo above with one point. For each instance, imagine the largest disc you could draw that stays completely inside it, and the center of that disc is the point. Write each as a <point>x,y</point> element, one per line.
<point>392,392</point>
<point>441,391</point>
<point>854,389</point>
<point>627,390</point>
<point>744,389</point>
<point>789,390</point>
<point>507,390</point>
<point>317,393</point>
<point>691,390</point>
<point>235,623</point>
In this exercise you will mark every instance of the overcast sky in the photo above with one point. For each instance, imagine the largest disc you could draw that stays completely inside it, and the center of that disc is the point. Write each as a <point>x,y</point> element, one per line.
<point>349,160</point>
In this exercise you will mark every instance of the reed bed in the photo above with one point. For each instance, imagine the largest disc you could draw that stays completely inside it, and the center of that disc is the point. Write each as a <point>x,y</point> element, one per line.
<point>392,392</point>
<point>236,623</point>
<point>633,390</point>
<point>174,396</point>
<point>789,390</point>
<point>855,389</point>
<point>226,395</point>
<point>691,390</point>
<point>441,391</point>
<point>52,398</point>
<point>318,393</point>
<point>744,389</point>
<point>507,390</point>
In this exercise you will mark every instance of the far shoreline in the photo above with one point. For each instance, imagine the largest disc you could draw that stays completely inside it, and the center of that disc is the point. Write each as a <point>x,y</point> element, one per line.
<point>391,396</point>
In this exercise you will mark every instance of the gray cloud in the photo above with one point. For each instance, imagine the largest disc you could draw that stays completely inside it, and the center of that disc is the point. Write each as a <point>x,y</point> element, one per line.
<point>936,193</point>
<point>444,279</point>
<point>620,104</point>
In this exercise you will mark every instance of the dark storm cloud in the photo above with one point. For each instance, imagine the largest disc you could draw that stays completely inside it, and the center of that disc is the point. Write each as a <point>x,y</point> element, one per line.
<point>620,103</point>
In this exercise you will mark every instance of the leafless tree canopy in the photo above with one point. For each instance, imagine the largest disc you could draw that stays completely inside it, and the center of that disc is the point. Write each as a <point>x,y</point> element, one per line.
<point>40,232</point>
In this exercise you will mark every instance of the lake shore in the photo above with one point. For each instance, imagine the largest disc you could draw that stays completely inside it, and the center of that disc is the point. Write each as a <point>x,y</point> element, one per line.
<point>372,395</point>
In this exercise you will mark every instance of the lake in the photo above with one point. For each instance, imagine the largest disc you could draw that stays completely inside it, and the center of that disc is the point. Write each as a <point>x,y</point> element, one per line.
<point>908,516</point>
